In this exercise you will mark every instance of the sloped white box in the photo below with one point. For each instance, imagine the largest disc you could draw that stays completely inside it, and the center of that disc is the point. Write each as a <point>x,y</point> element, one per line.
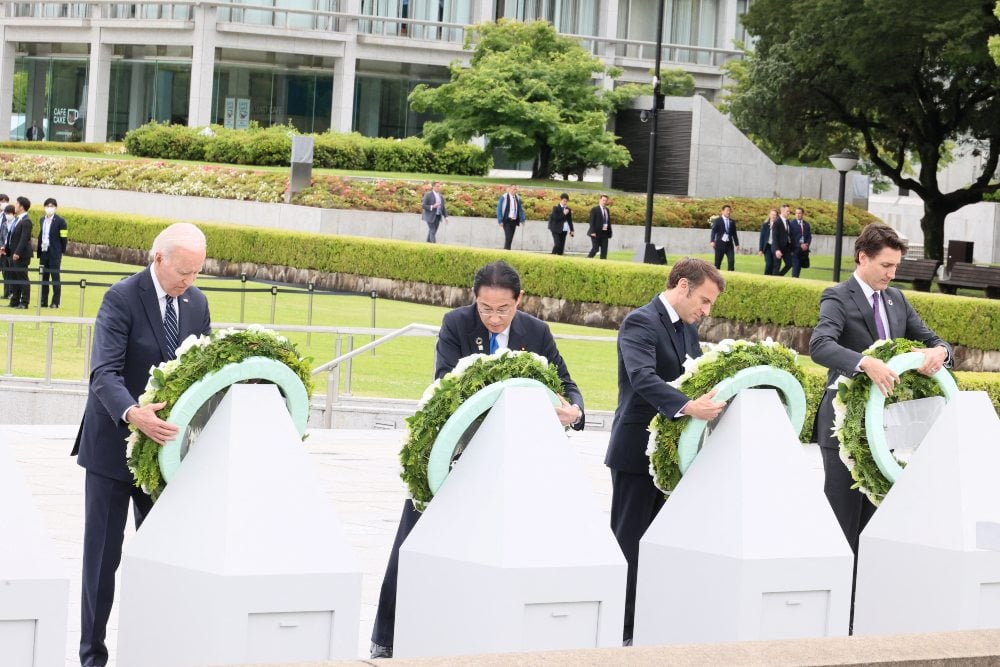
<point>747,546</point>
<point>242,559</point>
<point>513,554</point>
<point>34,586</point>
<point>919,566</point>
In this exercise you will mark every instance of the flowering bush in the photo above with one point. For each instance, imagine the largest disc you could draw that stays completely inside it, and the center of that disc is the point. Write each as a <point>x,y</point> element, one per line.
<point>198,356</point>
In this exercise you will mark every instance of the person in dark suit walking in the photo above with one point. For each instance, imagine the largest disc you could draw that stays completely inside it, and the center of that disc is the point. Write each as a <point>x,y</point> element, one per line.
<point>767,243</point>
<point>18,249</point>
<point>490,324</point>
<point>52,240</point>
<point>724,238</point>
<point>801,258</point>
<point>433,211</point>
<point>560,224</point>
<point>599,229</point>
<point>140,324</point>
<point>6,220</point>
<point>785,234</point>
<point>653,342</point>
<point>852,316</point>
<point>510,214</point>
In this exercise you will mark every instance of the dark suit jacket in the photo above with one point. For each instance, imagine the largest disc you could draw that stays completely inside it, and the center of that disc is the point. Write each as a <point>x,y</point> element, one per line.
<point>650,354</point>
<point>846,327</point>
<point>765,235</point>
<point>463,333</point>
<point>427,213</point>
<point>783,238</point>
<point>19,240</point>
<point>805,234</point>
<point>58,236</point>
<point>557,218</point>
<point>597,221</point>
<point>128,339</point>
<point>719,228</point>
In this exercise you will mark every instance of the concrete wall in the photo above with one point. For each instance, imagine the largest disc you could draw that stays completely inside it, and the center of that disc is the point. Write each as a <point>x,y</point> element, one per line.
<point>979,223</point>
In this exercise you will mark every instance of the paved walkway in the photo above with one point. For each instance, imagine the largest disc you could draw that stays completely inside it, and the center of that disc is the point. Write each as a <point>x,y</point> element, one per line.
<point>358,469</point>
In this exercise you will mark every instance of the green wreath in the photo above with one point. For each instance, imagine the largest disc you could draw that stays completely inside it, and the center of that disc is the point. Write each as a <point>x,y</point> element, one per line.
<point>443,397</point>
<point>198,357</point>
<point>851,403</point>
<point>720,362</point>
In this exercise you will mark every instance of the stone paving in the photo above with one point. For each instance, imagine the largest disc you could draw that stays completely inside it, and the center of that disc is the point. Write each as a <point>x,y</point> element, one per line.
<point>358,469</point>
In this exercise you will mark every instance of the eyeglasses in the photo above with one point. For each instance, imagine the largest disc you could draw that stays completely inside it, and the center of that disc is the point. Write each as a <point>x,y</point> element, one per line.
<point>503,311</point>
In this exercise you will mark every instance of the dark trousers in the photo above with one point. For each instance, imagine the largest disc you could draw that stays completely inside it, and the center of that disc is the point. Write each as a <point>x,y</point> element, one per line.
<point>50,262</point>
<point>727,250</point>
<point>770,262</point>
<point>509,227</point>
<point>558,243</point>
<point>635,500</point>
<point>790,259</point>
<point>796,264</point>
<point>432,229</point>
<point>599,242</point>
<point>4,271</point>
<point>106,503</point>
<point>20,290</point>
<point>384,630</point>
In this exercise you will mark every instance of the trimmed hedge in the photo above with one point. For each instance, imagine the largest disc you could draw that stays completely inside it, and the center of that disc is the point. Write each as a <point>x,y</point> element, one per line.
<point>110,148</point>
<point>966,321</point>
<point>272,146</point>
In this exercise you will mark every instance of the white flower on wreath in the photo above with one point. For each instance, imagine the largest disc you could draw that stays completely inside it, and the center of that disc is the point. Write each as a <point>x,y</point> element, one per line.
<point>192,341</point>
<point>130,441</point>
<point>464,363</point>
<point>725,346</point>
<point>839,415</point>
<point>428,394</point>
<point>846,457</point>
<point>877,344</point>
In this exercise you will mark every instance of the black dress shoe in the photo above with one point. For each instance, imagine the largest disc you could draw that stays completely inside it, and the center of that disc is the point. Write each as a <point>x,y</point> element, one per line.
<point>21,306</point>
<point>55,305</point>
<point>379,651</point>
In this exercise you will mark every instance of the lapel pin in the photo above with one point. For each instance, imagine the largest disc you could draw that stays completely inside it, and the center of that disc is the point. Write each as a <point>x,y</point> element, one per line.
<point>888,302</point>
<point>479,343</point>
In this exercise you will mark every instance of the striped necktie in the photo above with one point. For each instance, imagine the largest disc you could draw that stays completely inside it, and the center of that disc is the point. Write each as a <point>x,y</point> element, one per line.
<point>170,327</point>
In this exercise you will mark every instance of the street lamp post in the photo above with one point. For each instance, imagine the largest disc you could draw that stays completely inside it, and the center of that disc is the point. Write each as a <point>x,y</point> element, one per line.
<point>648,253</point>
<point>842,162</point>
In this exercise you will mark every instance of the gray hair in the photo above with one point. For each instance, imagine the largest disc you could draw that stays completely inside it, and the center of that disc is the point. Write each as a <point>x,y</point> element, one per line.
<point>178,235</point>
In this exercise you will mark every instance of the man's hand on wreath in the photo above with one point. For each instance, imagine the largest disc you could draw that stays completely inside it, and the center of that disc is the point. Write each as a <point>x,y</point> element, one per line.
<point>881,375</point>
<point>146,420</point>
<point>935,357</point>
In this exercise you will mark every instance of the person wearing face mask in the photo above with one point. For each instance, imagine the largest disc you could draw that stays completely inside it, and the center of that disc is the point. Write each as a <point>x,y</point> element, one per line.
<point>18,248</point>
<point>52,240</point>
<point>6,218</point>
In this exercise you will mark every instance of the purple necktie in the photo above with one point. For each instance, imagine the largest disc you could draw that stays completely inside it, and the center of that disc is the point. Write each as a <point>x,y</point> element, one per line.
<point>878,317</point>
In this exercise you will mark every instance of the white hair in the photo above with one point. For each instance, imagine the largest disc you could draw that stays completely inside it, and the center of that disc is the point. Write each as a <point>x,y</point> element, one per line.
<point>178,235</point>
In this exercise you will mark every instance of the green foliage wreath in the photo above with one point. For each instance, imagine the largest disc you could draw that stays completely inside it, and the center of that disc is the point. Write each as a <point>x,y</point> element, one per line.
<point>443,397</point>
<point>720,362</point>
<point>849,415</point>
<point>196,357</point>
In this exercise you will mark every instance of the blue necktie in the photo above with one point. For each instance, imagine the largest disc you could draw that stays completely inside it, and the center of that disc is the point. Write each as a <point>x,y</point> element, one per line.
<point>170,327</point>
<point>493,343</point>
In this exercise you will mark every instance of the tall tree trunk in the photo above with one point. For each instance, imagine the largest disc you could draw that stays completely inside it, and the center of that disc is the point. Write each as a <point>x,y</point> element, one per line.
<point>932,224</point>
<point>542,166</point>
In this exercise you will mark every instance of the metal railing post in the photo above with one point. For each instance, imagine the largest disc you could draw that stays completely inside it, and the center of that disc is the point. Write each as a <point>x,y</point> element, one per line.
<point>309,314</point>
<point>243,295</point>
<point>86,354</point>
<point>274,300</point>
<point>79,327</point>
<point>348,366</point>
<point>10,348</point>
<point>38,299</point>
<point>332,382</point>
<point>48,354</point>
<point>374,299</point>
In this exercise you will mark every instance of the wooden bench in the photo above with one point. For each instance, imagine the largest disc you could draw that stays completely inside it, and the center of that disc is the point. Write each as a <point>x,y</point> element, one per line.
<point>970,276</point>
<point>920,272</point>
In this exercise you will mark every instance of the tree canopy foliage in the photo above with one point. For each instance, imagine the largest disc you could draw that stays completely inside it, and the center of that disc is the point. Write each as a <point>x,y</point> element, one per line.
<point>897,79</point>
<point>532,92</point>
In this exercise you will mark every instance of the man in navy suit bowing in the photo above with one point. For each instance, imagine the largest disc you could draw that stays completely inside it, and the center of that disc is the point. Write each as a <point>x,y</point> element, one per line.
<point>653,342</point>
<point>140,324</point>
<point>493,322</point>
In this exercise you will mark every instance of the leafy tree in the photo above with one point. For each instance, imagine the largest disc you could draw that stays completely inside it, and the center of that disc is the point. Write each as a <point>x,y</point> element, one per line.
<point>896,78</point>
<point>675,82</point>
<point>19,101</point>
<point>532,92</point>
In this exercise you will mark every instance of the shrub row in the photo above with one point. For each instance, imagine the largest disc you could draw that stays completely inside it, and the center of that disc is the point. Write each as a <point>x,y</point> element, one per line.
<point>748,298</point>
<point>393,196</point>
<point>110,148</point>
<point>272,146</point>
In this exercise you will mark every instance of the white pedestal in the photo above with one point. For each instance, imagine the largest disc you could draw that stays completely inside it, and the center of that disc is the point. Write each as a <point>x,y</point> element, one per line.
<point>242,559</point>
<point>919,566</point>
<point>747,546</point>
<point>513,553</point>
<point>34,588</point>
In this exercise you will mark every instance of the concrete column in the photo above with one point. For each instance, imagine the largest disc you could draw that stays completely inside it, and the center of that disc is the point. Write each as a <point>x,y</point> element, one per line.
<point>727,24</point>
<point>137,114</point>
<point>202,66</point>
<point>7,53</point>
<point>482,10</point>
<point>342,109</point>
<point>98,91</point>
<point>607,25</point>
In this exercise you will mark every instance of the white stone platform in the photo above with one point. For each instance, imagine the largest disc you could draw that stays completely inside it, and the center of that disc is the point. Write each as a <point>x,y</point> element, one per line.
<point>358,469</point>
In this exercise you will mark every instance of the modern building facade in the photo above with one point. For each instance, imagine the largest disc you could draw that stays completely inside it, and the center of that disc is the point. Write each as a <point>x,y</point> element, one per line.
<point>92,70</point>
